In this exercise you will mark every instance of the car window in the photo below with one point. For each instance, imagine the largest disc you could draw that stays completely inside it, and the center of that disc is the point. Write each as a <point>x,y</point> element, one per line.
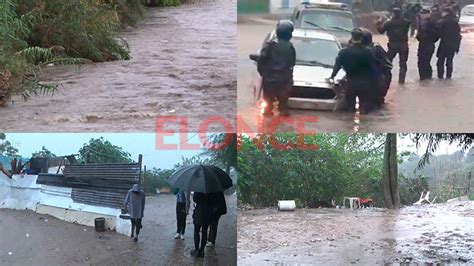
<point>327,20</point>
<point>315,50</point>
<point>468,11</point>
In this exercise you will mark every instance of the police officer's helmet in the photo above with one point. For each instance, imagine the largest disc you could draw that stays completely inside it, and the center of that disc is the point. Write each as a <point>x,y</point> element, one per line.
<point>357,35</point>
<point>284,29</point>
<point>396,12</point>
<point>366,37</point>
<point>449,11</point>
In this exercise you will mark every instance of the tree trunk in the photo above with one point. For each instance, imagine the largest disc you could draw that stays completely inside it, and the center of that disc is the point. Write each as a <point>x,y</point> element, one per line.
<point>390,173</point>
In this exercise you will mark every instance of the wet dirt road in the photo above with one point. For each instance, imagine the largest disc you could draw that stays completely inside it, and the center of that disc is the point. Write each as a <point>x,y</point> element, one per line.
<point>440,233</point>
<point>431,106</point>
<point>56,242</point>
<point>183,64</point>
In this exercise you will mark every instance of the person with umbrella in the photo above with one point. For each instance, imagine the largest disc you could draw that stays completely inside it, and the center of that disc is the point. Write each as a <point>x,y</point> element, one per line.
<point>201,221</point>
<point>203,180</point>
<point>135,205</point>
<point>218,208</point>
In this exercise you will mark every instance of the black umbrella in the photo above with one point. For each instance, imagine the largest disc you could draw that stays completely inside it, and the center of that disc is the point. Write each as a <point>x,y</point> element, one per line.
<point>200,178</point>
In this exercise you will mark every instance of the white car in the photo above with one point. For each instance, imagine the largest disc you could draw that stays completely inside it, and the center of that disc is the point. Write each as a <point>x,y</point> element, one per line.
<point>315,57</point>
<point>466,21</point>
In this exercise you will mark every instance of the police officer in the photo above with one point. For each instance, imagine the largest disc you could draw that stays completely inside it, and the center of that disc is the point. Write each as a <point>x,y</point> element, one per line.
<point>450,40</point>
<point>275,65</point>
<point>456,8</point>
<point>384,66</point>
<point>359,64</point>
<point>435,14</point>
<point>413,12</point>
<point>427,37</point>
<point>397,31</point>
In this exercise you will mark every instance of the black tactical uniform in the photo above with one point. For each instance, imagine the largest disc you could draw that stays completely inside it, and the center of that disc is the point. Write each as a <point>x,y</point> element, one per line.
<point>450,40</point>
<point>413,12</point>
<point>384,66</point>
<point>359,64</point>
<point>275,65</point>
<point>427,37</point>
<point>397,31</point>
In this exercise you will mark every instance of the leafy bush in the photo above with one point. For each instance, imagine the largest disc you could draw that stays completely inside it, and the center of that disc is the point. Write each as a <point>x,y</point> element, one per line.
<point>344,165</point>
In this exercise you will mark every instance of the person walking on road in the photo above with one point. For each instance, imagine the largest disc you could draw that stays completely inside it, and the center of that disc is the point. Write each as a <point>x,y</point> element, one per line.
<point>450,41</point>
<point>182,210</point>
<point>275,65</point>
<point>397,29</point>
<point>201,221</point>
<point>218,208</point>
<point>135,206</point>
<point>427,36</point>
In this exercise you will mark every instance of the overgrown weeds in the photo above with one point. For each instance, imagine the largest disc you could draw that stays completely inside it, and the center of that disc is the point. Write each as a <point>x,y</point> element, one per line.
<point>43,32</point>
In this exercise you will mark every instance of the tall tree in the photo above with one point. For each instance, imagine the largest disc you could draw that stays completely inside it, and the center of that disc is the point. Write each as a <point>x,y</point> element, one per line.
<point>43,153</point>
<point>222,148</point>
<point>6,148</point>
<point>102,151</point>
<point>390,173</point>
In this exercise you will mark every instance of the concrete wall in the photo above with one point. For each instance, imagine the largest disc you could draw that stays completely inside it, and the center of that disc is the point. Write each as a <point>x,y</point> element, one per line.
<point>22,192</point>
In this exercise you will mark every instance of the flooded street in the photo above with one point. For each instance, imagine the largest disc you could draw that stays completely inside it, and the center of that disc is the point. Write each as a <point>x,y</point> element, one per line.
<point>183,64</point>
<point>440,233</point>
<point>413,107</point>
<point>54,242</point>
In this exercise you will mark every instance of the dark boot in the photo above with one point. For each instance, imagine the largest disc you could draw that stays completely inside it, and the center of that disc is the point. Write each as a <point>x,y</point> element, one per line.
<point>195,253</point>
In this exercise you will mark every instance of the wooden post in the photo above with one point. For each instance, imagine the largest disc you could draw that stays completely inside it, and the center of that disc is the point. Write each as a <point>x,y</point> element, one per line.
<point>140,158</point>
<point>144,178</point>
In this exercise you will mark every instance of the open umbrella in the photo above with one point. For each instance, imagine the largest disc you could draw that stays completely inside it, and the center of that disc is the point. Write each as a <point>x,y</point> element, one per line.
<point>200,178</point>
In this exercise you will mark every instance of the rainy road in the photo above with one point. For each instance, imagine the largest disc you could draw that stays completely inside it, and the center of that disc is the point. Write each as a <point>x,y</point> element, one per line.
<point>431,106</point>
<point>440,233</point>
<point>183,64</point>
<point>55,242</point>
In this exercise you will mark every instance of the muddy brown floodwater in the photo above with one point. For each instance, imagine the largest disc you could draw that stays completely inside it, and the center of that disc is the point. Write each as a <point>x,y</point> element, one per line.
<point>183,63</point>
<point>439,233</point>
<point>431,106</point>
<point>54,242</point>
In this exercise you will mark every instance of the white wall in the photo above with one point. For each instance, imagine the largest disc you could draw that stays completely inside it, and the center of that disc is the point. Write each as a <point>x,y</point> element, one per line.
<point>22,192</point>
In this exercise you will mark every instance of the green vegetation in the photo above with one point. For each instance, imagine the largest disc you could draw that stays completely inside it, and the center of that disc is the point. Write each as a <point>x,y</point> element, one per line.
<point>344,165</point>
<point>349,165</point>
<point>43,153</point>
<point>37,33</point>
<point>102,151</point>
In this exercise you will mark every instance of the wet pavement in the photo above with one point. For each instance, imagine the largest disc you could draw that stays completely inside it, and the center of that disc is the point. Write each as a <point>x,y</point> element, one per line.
<point>183,64</point>
<point>431,106</point>
<point>35,239</point>
<point>439,233</point>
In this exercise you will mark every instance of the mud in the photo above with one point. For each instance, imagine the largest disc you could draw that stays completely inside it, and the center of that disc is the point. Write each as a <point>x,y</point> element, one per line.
<point>431,106</point>
<point>54,242</point>
<point>183,64</point>
<point>440,233</point>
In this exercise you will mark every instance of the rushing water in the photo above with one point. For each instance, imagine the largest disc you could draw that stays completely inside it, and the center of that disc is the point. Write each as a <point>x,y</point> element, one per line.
<point>183,64</point>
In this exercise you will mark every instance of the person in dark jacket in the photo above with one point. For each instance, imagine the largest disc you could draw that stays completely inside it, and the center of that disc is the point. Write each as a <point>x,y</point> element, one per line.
<point>383,64</point>
<point>397,31</point>
<point>275,65</point>
<point>218,208</point>
<point>450,41</point>
<point>201,221</point>
<point>456,8</point>
<point>427,36</point>
<point>135,206</point>
<point>413,16</point>
<point>182,209</point>
<point>359,64</point>
<point>435,14</point>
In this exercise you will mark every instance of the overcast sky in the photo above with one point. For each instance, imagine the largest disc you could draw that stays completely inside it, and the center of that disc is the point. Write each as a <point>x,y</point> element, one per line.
<point>406,144</point>
<point>135,144</point>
